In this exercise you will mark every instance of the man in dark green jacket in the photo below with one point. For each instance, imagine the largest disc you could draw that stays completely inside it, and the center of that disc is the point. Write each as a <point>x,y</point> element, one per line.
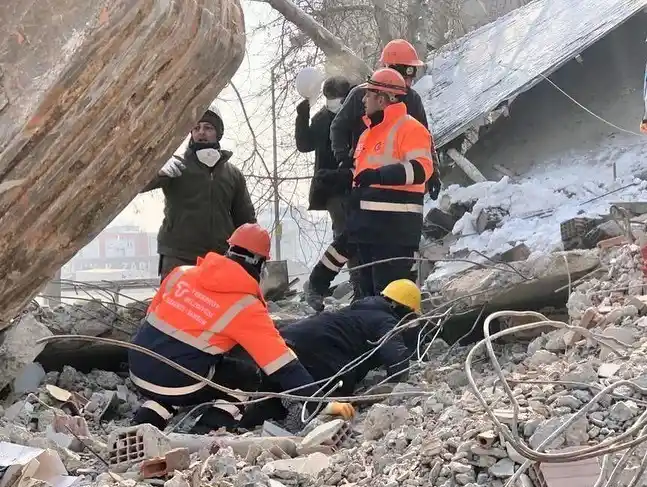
<point>206,198</point>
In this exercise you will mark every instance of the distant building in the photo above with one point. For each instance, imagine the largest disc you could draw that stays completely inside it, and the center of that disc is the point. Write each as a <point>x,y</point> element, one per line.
<point>129,249</point>
<point>124,248</point>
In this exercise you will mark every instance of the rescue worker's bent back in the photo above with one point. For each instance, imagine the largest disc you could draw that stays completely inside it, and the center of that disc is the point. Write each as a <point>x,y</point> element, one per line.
<point>198,315</point>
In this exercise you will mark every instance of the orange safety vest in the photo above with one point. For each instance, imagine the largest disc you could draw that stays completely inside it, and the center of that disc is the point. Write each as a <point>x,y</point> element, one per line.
<point>399,138</point>
<point>381,209</point>
<point>213,307</point>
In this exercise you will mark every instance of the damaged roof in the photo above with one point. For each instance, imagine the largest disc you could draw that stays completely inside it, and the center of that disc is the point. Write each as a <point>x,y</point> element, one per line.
<point>468,78</point>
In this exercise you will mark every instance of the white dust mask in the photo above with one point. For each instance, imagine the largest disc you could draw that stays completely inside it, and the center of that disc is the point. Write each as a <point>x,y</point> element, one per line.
<point>208,157</point>
<point>334,104</point>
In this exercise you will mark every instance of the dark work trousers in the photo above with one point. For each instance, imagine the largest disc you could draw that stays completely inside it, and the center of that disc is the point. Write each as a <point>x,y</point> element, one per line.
<point>336,207</point>
<point>324,273</point>
<point>169,262</point>
<point>374,278</point>
<point>233,372</point>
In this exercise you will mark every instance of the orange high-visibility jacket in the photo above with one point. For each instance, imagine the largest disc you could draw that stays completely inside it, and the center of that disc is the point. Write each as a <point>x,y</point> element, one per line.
<point>392,213</point>
<point>213,307</point>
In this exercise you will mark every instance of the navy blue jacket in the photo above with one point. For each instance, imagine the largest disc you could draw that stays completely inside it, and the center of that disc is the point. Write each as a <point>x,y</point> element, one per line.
<point>326,342</point>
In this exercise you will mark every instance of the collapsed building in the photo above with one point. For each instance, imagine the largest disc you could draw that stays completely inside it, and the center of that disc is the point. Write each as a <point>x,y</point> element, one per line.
<point>551,393</point>
<point>539,400</point>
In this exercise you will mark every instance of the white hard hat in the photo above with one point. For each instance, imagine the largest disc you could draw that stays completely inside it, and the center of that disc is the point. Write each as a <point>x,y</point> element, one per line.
<point>308,82</point>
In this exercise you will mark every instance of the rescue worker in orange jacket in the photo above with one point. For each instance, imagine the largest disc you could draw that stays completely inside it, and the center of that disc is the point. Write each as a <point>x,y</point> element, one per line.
<point>393,161</point>
<point>199,314</point>
<point>345,131</point>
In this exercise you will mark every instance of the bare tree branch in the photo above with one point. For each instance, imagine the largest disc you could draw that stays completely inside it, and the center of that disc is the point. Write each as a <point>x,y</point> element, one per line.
<point>337,53</point>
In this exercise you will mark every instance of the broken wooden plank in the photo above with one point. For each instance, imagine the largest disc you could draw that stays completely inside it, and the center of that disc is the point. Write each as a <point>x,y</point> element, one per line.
<point>468,168</point>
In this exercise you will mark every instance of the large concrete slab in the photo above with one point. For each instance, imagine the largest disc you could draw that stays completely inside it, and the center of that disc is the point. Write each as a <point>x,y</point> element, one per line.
<point>94,96</point>
<point>504,288</point>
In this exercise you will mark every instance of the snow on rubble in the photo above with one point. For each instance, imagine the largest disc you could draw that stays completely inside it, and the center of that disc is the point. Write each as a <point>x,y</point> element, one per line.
<point>533,207</point>
<point>439,434</point>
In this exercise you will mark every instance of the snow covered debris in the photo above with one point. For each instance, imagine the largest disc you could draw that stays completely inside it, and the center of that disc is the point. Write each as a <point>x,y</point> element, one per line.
<point>534,206</point>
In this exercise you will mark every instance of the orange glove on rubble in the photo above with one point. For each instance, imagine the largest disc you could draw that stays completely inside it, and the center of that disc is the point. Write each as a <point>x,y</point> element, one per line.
<point>343,409</point>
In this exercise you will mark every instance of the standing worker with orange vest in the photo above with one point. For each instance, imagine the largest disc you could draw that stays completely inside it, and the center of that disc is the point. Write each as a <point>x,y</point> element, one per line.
<point>393,161</point>
<point>345,131</point>
<point>199,314</point>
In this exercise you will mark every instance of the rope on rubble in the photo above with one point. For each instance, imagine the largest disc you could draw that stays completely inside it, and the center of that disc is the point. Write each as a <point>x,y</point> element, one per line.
<point>606,447</point>
<point>260,396</point>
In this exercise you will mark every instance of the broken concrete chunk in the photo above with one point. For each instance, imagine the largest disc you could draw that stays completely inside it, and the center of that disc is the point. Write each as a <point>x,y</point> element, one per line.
<point>503,468</point>
<point>457,467</point>
<point>19,348</point>
<point>29,378</point>
<point>486,438</point>
<point>623,411</point>
<point>310,465</point>
<point>514,454</point>
<point>582,373</point>
<point>135,444</point>
<point>324,434</point>
<point>608,370</point>
<point>381,419</point>
<point>178,480</point>
<point>576,434</point>
<point>541,357</point>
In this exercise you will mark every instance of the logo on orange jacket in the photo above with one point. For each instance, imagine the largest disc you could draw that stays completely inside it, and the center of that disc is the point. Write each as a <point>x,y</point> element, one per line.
<point>181,289</point>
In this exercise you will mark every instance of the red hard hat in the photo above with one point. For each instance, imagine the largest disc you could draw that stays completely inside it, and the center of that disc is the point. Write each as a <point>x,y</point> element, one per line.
<point>399,51</point>
<point>386,80</point>
<point>252,237</point>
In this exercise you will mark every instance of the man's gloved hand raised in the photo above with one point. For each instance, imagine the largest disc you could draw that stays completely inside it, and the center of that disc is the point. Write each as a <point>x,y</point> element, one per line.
<point>173,167</point>
<point>368,177</point>
<point>343,409</point>
<point>434,184</point>
<point>338,178</point>
<point>303,108</point>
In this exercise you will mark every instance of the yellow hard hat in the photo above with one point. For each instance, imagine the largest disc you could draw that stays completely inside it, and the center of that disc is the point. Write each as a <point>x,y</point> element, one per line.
<point>404,292</point>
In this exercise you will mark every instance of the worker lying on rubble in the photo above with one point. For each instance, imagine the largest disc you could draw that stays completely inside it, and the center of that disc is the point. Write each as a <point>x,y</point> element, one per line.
<point>327,342</point>
<point>198,315</point>
<point>206,198</point>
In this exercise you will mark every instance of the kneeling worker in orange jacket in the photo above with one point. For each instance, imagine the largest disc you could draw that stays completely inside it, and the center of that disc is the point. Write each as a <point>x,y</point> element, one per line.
<point>199,314</point>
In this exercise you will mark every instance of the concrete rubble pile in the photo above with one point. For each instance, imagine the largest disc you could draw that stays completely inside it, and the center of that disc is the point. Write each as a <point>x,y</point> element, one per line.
<point>431,431</point>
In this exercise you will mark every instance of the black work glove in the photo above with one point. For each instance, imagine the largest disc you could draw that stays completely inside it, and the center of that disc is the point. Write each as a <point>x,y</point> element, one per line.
<point>303,108</point>
<point>340,179</point>
<point>346,163</point>
<point>368,177</point>
<point>433,185</point>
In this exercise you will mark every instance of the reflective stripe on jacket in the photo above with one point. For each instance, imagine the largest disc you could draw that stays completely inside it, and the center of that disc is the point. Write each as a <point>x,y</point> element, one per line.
<point>213,322</point>
<point>391,213</point>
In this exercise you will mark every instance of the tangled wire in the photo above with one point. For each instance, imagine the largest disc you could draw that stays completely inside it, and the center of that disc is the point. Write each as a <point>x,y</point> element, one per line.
<point>604,448</point>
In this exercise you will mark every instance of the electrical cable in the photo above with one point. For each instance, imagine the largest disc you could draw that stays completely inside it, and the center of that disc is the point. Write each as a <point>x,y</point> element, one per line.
<point>259,396</point>
<point>511,435</point>
<point>587,110</point>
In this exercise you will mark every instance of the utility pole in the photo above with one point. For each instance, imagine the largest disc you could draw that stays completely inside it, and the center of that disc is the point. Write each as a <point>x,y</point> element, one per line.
<point>275,179</point>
